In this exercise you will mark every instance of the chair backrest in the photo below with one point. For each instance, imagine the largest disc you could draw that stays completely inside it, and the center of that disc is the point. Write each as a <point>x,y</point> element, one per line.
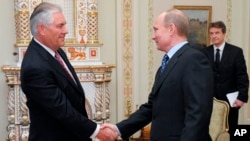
<point>218,127</point>
<point>145,133</point>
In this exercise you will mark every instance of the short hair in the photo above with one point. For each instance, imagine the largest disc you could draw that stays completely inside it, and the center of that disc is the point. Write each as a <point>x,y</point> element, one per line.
<point>179,19</point>
<point>218,24</point>
<point>43,14</point>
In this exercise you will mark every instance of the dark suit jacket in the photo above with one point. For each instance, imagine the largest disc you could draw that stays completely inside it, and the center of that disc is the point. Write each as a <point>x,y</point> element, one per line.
<point>232,72</point>
<point>180,103</point>
<point>56,103</point>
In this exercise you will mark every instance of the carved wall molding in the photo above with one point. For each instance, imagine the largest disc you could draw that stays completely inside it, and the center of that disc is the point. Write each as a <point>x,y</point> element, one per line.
<point>229,20</point>
<point>94,79</point>
<point>127,52</point>
<point>150,46</point>
<point>82,45</point>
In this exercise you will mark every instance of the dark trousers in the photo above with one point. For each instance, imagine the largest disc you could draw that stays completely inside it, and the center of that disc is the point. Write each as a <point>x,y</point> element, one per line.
<point>233,120</point>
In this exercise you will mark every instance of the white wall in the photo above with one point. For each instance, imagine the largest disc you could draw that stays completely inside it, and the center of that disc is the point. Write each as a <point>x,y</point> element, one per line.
<point>7,39</point>
<point>107,35</point>
<point>240,37</point>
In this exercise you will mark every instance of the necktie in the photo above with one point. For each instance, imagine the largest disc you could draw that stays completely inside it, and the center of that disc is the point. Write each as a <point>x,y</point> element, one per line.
<point>217,58</point>
<point>164,62</point>
<point>61,62</point>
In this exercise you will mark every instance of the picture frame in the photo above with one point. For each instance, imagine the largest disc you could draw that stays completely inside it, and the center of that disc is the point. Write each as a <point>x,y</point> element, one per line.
<point>199,19</point>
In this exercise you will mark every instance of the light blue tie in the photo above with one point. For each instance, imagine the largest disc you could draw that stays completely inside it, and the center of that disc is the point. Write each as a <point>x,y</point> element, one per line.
<point>164,62</point>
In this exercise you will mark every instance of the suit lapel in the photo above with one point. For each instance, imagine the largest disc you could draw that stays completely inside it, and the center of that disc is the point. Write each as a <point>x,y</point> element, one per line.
<point>71,69</point>
<point>225,55</point>
<point>171,64</point>
<point>54,64</point>
<point>65,74</point>
<point>210,55</point>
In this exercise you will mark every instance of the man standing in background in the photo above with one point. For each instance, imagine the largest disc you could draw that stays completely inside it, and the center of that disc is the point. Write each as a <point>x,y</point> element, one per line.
<point>230,71</point>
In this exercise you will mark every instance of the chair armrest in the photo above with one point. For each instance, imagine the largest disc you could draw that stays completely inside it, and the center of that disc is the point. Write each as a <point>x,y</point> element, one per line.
<point>224,136</point>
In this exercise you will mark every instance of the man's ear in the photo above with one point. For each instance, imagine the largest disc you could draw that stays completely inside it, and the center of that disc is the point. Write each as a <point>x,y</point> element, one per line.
<point>41,29</point>
<point>171,28</point>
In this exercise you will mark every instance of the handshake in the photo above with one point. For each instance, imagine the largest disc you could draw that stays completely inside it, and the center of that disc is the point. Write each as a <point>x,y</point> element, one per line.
<point>108,132</point>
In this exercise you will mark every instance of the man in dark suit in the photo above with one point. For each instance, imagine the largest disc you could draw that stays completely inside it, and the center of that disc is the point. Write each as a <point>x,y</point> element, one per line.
<point>230,71</point>
<point>180,103</point>
<point>55,97</point>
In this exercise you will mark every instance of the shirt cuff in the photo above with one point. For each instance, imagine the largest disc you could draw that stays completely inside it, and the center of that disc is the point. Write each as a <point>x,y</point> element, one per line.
<point>93,136</point>
<point>118,131</point>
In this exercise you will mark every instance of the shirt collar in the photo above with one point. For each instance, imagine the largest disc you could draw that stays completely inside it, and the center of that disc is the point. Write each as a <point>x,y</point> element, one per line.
<point>46,48</point>
<point>221,47</point>
<point>174,49</point>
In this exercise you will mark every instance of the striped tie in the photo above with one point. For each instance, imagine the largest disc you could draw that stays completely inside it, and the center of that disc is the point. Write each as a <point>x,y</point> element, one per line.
<point>164,62</point>
<point>61,62</point>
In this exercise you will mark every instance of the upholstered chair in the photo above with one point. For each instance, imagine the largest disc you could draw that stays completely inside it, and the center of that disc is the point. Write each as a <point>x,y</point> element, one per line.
<point>218,127</point>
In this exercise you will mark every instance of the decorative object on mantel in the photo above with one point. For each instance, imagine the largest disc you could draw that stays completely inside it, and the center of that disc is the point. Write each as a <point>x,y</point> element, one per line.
<point>82,49</point>
<point>82,45</point>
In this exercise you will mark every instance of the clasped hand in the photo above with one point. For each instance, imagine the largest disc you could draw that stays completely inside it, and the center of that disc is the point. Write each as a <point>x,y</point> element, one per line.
<point>108,132</point>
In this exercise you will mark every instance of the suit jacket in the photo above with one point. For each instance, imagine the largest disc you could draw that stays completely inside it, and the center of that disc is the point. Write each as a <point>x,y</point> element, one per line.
<point>180,103</point>
<point>232,74</point>
<point>56,103</point>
